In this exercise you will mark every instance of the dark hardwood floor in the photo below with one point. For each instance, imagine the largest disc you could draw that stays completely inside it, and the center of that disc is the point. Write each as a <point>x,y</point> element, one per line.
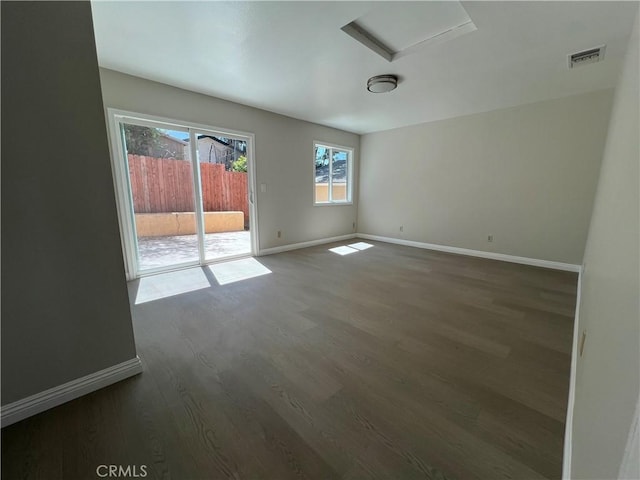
<point>393,362</point>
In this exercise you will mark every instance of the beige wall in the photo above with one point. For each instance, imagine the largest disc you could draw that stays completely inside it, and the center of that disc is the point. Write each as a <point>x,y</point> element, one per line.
<point>283,149</point>
<point>322,192</point>
<point>526,175</point>
<point>608,374</point>
<point>65,309</point>
<point>184,223</point>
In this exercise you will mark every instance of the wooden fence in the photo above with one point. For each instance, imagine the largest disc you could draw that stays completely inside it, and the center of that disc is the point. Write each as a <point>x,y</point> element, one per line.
<point>161,185</point>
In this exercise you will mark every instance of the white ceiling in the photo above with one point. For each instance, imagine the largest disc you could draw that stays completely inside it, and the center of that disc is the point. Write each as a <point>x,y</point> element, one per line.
<point>292,58</point>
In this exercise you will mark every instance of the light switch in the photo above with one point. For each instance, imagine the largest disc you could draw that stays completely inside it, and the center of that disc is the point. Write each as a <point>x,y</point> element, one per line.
<point>263,188</point>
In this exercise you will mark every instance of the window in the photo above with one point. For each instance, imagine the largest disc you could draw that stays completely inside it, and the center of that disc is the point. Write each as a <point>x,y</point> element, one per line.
<point>332,174</point>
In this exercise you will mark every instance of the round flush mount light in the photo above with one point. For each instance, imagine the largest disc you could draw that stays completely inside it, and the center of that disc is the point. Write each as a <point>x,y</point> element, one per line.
<point>382,83</point>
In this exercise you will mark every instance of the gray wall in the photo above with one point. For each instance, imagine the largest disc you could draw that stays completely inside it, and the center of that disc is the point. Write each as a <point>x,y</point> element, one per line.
<point>65,311</point>
<point>527,175</point>
<point>283,152</point>
<point>608,374</point>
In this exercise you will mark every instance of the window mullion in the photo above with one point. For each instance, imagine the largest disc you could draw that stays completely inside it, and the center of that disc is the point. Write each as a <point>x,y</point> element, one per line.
<point>330,184</point>
<point>349,174</point>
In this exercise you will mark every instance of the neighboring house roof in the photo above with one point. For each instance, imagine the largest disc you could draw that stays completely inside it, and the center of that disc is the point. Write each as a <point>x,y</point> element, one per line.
<point>221,142</point>
<point>211,137</point>
<point>216,139</point>
<point>173,139</point>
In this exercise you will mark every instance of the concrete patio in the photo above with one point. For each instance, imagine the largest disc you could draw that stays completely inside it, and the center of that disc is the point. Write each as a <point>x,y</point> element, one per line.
<point>156,252</point>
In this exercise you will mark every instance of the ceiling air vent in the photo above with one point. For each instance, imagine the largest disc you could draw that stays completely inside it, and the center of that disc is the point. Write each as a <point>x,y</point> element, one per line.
<point>585,57</point>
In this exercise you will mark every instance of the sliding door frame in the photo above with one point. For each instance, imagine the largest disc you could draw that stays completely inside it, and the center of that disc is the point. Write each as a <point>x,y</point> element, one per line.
<point>124,196</point>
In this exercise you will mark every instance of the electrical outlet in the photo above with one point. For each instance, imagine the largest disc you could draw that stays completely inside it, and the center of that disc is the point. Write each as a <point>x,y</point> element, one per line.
<point>489,238</point>
<point>279,234</point>
<point>401,228</point>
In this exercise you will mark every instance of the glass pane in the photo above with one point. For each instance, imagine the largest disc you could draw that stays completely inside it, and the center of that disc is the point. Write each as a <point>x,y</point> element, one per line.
<point>161,179</point>
<point>225,199</point>
<point>339,175</point>
<point>322,174</point>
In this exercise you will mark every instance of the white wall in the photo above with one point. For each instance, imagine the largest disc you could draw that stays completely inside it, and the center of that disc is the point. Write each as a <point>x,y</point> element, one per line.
<point>283,149</point>
<point>527,175</point>
<point>608,374</point>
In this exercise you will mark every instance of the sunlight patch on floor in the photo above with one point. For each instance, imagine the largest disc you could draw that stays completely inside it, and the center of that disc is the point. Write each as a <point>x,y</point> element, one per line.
<point>170,284</point>
<point>238,270</point>
<point>353,248</point>
<point>361,245</point>
<point>343,250</point>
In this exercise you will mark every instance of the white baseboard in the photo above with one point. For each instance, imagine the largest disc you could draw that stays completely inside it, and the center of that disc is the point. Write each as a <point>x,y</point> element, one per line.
<point>568,267</point>
<point>312,243</point>
<point>21,409</point>
<point>568,426</point>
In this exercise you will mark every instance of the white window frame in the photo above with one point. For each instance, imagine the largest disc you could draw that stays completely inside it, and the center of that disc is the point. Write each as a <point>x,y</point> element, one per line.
<point>124,198</point>
<point>330,201</point>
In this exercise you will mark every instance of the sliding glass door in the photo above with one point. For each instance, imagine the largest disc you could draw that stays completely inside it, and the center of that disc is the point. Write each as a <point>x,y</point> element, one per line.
<point>183,193</point>
<point>222,164</point>
<point>162,193</point>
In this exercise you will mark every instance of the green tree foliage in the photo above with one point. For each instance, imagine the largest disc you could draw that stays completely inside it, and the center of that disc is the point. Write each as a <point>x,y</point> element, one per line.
<point>150,142</point>
<point>240,165</point>
<point>141,140</point>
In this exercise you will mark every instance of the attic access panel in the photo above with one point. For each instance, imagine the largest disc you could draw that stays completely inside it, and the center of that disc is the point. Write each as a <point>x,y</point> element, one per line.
<point>396,29</point>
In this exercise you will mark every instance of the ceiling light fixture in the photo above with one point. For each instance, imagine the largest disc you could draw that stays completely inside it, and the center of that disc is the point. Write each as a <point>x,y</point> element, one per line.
<point>382,83</point>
